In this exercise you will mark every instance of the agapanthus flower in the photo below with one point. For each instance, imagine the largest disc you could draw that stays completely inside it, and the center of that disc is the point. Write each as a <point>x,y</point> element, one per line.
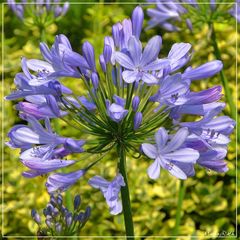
<point>138,65</point>
<point>132,97</point>
<point>167,14</point>
<point>39,8</point>
<point>170,155</point>
<point>110,191</point>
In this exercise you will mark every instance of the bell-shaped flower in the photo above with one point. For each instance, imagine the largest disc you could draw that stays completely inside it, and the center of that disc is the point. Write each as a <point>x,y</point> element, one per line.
<point>110,191</point>
<point>138,66</point>
<point>171,91</point>
<point>210,129</point>
<point>62,181</point>
<point>39,166</point>
<point>169,154</point>
<point>41,107</point>
<point>198,103</point>
<point>61,59</point>
<point>214,159</point>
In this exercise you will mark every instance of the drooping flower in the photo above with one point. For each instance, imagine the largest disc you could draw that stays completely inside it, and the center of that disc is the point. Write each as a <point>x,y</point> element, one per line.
<point>110,191</point>
<point>62,181</point>
<point>170,155</point>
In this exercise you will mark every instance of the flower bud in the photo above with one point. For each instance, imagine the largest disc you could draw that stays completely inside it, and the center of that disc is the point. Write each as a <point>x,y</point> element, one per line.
<point>102,63</point>
<point>77,202</point>
<point>87,213</point>
<point>88,53</point>
<point>35,216</point>
<point>95,80</point>
<point>137,21</point>
<point>107,53</point>
<point>135,103</point>
<point>58,227</point>
<point>68,219</point>
<point>137,120</point>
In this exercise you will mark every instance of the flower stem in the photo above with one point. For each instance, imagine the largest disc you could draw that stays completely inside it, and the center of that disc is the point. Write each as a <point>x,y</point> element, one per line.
<point>181,193</point>
<point>228,94</point>
<point>127,212</point>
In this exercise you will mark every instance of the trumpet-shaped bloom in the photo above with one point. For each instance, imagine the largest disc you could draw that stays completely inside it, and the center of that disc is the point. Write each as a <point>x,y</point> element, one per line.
<point>138,65</point>
<point>210,129</point>
<point>62,181</point>
<point>110,191</point>
<point>170,155</point>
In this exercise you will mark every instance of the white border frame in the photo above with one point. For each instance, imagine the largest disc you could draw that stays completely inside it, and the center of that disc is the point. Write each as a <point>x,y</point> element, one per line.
<point>79,237</point>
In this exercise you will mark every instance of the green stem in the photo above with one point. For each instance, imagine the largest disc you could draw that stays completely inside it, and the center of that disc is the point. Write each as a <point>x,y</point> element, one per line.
<point>224,80</point>
<point>181,193</point>
<point>229,98</point>
<point>125,194</point>
<point>69,202</point>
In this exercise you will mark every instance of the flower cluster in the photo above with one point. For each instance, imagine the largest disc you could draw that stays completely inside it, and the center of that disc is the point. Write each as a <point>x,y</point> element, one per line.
<point>40,8</point>
<point>59,221</point>
<point>131,96</point>
<point>167,13</point>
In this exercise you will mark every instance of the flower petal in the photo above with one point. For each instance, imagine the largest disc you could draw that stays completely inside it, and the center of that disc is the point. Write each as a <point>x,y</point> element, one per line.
<point>177,140</point>
<point>150,150</point>
<point>161,137</point>
<point>135,49</point>
<point>154,169</point>
<point>149,78</point>
<point>124,60</point>
<point>151,50</point>
<point>187,155</point>
<point>130,76</point>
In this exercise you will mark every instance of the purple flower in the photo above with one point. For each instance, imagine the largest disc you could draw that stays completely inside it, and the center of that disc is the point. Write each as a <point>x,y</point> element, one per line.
<point>211,130</point>
<point>171,90</point>
<point>24,137</point>
<point>235,10</point>
<point>204,71</point>
<point>137,64</point>
<point>214,160</point>
<point>110,191</point>
<point>64,61</point>
<point>41,107</point>
<point>39,166</point>
<point>197,103</point>
<point>62,181</point>
<point>18,9</point>
<point>163,13</point>
<point>170,155</point>
<point>25,85</point>
<point>116,110</point>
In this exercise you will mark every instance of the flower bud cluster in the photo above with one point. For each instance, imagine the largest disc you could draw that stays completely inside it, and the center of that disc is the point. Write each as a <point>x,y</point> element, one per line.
<point>58,220</point>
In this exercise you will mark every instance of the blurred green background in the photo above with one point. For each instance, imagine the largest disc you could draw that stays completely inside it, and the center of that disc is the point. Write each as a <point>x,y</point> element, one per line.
<point>209,205</point>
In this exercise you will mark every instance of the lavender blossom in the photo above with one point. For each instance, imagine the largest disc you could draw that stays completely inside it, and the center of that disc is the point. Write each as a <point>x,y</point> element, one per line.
<point>110,191</point>
<point>137,64</point>
<point>170,155</point>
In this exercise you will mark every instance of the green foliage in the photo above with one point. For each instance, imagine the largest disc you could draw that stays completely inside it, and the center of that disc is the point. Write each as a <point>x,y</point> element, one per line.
<point>210,200</point>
